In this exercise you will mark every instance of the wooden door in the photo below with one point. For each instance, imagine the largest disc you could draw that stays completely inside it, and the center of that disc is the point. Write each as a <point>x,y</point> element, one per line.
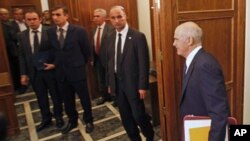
<point>223,25</point>
<point>24,4</point>
<point>7,98</point>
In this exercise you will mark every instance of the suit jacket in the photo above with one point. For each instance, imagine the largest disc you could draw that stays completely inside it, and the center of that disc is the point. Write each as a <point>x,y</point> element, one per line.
<point>134,62</point>
<point>26,57</point>
<point>8,33</point>
<point>204,93</point>
<point>70,60</point>
<point>103,51</point>
<point>15,30</point>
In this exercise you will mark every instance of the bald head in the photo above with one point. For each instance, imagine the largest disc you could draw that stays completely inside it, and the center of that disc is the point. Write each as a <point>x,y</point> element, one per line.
<point>4,14</point>
<point>118,17</point>
<point>189,29</point>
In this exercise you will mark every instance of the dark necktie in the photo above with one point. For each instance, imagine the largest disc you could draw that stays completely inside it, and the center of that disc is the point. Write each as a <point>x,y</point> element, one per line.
<point>184,72</point>
<point>61,37</point>
<point>36,42</point>
<point>118,54</point>
<point>97,48</point>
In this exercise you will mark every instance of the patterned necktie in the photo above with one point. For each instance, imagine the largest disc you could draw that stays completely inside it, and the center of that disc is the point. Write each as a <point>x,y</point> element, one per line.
<point>36,42</point>
<point>61,37</point>
<point>97,48</point>
<point>118,54</point>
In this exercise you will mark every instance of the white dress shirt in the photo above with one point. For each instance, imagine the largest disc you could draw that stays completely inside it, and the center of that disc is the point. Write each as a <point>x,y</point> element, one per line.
<point>123,37</point>
<point>32,34</point>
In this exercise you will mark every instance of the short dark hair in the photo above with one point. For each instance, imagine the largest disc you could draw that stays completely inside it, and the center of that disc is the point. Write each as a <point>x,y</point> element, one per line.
<point>32,11</point>
<point>64,8</point>
<point>16,9</point>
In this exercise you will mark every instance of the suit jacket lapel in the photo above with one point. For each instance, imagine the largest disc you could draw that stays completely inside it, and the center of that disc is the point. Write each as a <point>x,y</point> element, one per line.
<point>189,73</point>
<point>127,44</point>
<point>43,38</point>
<point>113,37</point>
<point>68,35</point>
<point>27,41</point>
<point>104,32</point>
<point>54,34</point>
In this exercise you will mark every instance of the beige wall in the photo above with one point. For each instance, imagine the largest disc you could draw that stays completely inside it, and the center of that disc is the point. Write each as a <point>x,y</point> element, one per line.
<point>44,4</point>
<point>144,21</point>
<point>246,116</point>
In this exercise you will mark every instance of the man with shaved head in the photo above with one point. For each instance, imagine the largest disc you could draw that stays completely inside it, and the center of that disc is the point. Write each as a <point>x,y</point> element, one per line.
<point>128,67</point>
<point>203,89</point>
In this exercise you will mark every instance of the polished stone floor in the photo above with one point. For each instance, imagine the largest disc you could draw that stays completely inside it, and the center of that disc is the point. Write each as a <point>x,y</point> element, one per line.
<point>107,123</point>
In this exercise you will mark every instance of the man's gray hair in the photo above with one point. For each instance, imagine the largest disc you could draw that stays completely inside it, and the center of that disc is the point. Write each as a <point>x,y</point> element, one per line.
<point>190,29</point>
<point>102,11</point>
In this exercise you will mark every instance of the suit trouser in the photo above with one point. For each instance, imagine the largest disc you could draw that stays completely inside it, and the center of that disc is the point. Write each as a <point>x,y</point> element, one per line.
<point>68,90</point>
<point>45,82</point>
<point>100,74</point>
<point>15,71</point>
<point>132,111</point>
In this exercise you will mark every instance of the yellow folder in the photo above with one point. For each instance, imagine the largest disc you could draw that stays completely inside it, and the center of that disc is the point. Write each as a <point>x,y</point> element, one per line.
<point>199,133</point>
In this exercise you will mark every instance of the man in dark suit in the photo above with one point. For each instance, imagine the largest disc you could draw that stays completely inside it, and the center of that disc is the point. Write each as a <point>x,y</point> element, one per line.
<point>100,35</point>
<point>12,49</point>
<point>17,25</point>
<point>72,51</point>
<point>128,68</point>
<point>203,90</point>
<point>36,66</point>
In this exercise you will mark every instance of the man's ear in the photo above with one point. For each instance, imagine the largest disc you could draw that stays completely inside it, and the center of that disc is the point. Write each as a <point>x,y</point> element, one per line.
<point>190,41</point>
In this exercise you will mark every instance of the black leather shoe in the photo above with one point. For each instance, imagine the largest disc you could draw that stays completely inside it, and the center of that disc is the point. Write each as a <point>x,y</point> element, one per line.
<point>100,101</point>
<point>89,127</point>
<point>43,125</point>
<point>59,123</point>
<point>114,104</point>
<point>69,127</point>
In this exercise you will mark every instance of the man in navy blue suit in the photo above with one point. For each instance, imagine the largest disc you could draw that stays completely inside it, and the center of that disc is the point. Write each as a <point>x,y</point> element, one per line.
<point>203,90</point>
<point>72,51</point>
<point>35,58</point>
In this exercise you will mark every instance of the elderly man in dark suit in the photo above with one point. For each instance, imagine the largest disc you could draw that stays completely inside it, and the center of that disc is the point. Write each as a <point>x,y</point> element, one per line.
<point>128,68</point>
<point>35,57</point>
<point>100,36</point>
<point>17,25</point>
<point>72,51</point>
<point>203,90</point>
<point>12,49</point>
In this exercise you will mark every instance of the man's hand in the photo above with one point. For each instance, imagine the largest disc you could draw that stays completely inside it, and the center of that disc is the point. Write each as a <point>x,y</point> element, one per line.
<point>109,90</point>
<point>48,66</point>
<point>24,80</point>
<point>142,93</point>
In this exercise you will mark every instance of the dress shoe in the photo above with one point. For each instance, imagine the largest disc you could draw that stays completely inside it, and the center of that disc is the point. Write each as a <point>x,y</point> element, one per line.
<point>100,101</point>
<point>69,127</point>
<point>89,127</point>
<point>59,123</point>
<point>114,104</point>
<point>43,125</point>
